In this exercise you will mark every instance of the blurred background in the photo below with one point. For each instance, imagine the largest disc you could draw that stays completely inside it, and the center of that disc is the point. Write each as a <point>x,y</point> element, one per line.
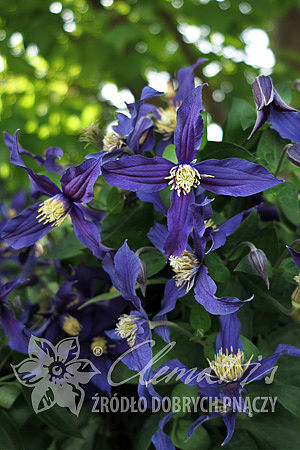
<point>65,64</point>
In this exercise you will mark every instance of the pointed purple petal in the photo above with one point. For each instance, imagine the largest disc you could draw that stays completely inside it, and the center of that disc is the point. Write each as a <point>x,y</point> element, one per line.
<point>78,182</point>
<point>160,440</point>
<point>185,78</point>
<point>53,153</point>
<point>25,229</point>
<point>293,154</point>
<point>229,420</point>
<point>259,369</point>
<point>200,421</point>
<point>87,233</point>
<point>287,124</point>
<point>230,334</point>
<point>158,235</point>
<point>205,290</point>
<point>189,128</point>
<point>234,176</point>
<point>137,173</point>
<point>179,223</point>
<point>14,330</point>
<point>295,255</point>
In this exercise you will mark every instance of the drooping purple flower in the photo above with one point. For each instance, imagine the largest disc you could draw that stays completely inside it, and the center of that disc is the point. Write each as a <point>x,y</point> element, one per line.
<point>295,255</point>
<point>225,380</point>
<point>189,268</point>
<point>293,154</point>
<point>233,176</point>
<point>77,189</point>
<point>271,108</point>
<point>135,131</point>
<point>135,328</point>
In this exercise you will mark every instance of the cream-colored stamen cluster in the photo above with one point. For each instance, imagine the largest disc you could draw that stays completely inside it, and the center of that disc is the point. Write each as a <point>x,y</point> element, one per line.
<point>111,141</point>
<point>71,326</point>
<point>99,345</point>
<point>210,224</point>
<point>92,135</point>
<point>185,267</point>
<point>229,366</point>
<point>296,293</point>
<point>183,178</point>
<point>127,328</point>
<point>166,124</point>
<point>52,211</point>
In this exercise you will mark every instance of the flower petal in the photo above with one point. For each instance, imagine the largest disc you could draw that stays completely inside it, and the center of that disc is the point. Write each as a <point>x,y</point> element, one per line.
<point>229,337</point>
<point>189,128</point>
<point>287,124</point>
<point>295,255</point>
<point>205,290</point>
<point>87,233</point>
<point>186,83</point>
<point>78,182</point>
<point>137,173</point>
<point>160,440</point>
<point>234,176</point>
<point>259,369</point>
<point>14,330</point>
<point>25,229</point>
<point>179,223</point>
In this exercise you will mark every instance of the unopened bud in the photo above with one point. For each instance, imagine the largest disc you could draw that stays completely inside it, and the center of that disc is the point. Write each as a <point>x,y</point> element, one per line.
<point>293,154</point>
<point>142,276</point>
<point>259,262</point>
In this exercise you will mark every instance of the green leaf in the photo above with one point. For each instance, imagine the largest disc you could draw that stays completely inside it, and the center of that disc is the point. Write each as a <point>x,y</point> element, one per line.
<point>169,153</point>
<point>199,318</point>
<point>10,437</point>
<point>199,440</point>
<point>8,395</point>
<point>149,428</point>
<point>222,150</point>
<point>217,268</point>
<point>65,248</point>
<point>288,396</point>
<point>285,195</point>
<point>269,150</point>
<point>183,392</point>
<point>115,201</point>
<point>154,260</point>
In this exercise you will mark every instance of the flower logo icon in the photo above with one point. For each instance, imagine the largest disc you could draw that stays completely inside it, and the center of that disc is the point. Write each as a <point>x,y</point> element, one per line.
<point>55,373</point>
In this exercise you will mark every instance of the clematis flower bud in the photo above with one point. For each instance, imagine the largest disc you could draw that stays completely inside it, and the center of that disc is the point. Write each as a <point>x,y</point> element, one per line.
<point>142,276</point>
<point>293,154</point>
<point>259,262</point>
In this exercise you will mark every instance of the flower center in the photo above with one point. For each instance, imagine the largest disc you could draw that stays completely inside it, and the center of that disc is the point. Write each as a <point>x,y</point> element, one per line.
<point>185,267</point>
<point>111,141</point>
<point>127,328</point>
<point>52,211</point>
<point>210,224</point>
<point>99,346</point>
<point>166,124</point>
<point>229,366</point>
<point>71,326</point>
<point>183,178</point>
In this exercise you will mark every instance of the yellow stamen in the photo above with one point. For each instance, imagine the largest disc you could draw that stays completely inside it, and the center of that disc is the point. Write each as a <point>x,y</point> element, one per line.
<point>167,123</point>
<point>11,213</point>
<point>210,224</point>
<point>229,366</point>
<point>52,211</point>
<point>111,141</point>
<point>99,345</point>
<point>183,178</point>
<point>127,328</point>
<point>185,267</point>
<point>71,326</point>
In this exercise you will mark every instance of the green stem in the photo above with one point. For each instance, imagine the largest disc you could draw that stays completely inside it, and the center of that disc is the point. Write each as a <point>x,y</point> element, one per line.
<point>161,323</point>
<point>7,377</point>
<point>276,303</point>
<point>285,149</point>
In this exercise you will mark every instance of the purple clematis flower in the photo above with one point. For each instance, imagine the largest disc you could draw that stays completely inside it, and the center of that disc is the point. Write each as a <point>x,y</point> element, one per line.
<point>12,327</point>
<point>49,162</point>
<point>166,117</point>
<point>224,381</point>
<point>271,108</point>
<point>293,154</point>
<point>77,189</point>
<point>136,328</point>
<point>135,132</point>
<point>189,268</point>
<point>233,176</point>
